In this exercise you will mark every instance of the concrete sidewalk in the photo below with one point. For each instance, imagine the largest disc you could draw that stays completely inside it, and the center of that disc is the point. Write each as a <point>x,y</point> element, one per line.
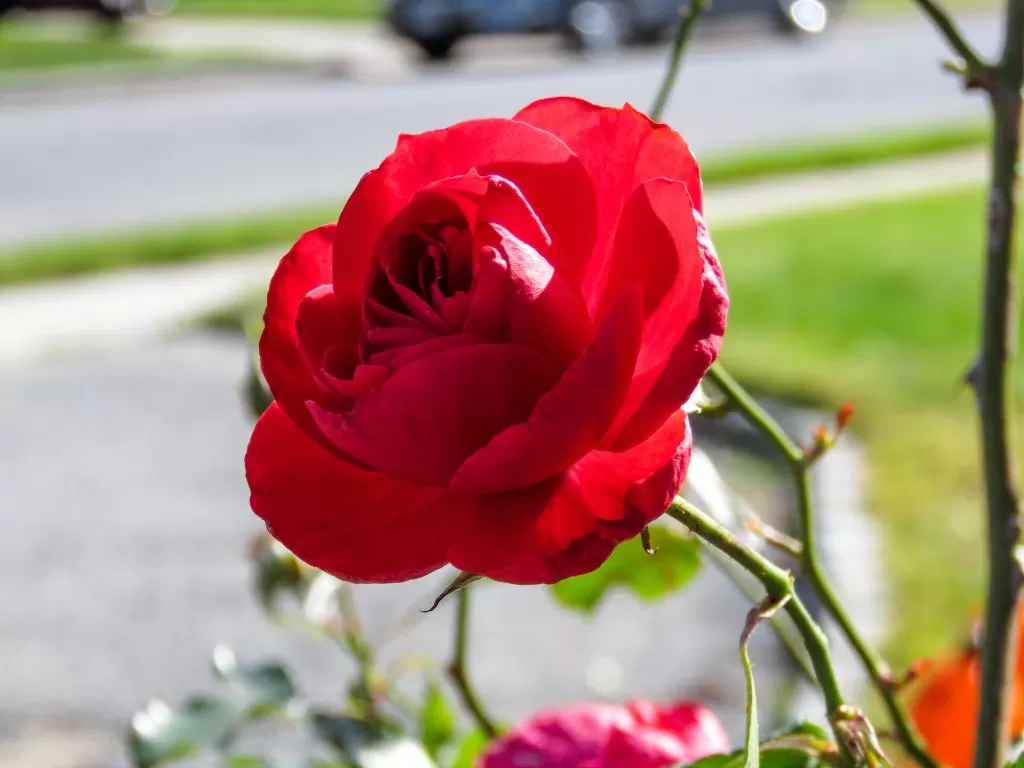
<point>113,310</point>
<point>362,50</point>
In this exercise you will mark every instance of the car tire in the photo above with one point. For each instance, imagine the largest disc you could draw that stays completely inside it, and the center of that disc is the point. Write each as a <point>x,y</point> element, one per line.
<point>111,14</point>
<point>438,48</point>
<point>597,26</point>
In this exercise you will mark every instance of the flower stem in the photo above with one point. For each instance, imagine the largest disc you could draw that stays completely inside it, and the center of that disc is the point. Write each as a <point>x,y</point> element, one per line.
<point>688,21</point>
<point>742,402</point>
<point>361,651</point>
<point>778,583</point>
<point>457,667</point>
<point>993,382</point>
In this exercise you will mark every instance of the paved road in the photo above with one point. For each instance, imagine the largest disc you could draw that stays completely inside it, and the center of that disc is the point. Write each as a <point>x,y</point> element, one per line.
<point>122,559</point>
<point>95,162</point>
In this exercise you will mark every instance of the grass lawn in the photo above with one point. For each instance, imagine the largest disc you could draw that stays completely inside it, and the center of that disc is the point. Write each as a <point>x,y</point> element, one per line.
<point>843,152</point>
<point>66,258</point>
<point>22,53</point>
<point>879,304</point>
<point>336,9</point>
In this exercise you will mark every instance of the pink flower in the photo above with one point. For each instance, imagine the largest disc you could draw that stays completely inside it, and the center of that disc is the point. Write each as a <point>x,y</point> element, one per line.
<point>638,735</point>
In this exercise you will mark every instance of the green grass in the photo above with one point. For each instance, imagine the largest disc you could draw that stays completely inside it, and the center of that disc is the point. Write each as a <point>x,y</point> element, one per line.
<point>879,304</point>
<point>22,53</point>
<point>842,153</point>
<point>64,258</point>
<point>332,9</point>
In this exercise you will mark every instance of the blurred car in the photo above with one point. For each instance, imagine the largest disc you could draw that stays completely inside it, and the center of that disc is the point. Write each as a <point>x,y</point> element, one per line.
<point>590,25</point>
<point>109,10</point>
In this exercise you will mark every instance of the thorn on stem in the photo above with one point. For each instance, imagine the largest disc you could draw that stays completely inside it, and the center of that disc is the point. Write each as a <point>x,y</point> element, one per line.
<point>974,375</point>
<point>461,581</point>
<point>773,536</point>
<point>645,541</point>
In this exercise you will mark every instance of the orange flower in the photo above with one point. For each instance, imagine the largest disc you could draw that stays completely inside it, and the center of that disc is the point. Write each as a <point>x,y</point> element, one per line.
<point>945,703</point>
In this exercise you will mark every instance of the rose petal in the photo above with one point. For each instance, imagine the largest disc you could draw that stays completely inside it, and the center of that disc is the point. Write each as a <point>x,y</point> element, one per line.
<point>656,392</point>
<point>571,524</point>
<point>545,311</point>
<point>654,223</point>
<point>423,422</point>
<point>563,738</point>
<point>292,381</point>
<point>643,150</point>
<point>359,526</point>
<point>538,163</point>
<point>568,421</point>
<point>489,297</point>
<point>319,325</point>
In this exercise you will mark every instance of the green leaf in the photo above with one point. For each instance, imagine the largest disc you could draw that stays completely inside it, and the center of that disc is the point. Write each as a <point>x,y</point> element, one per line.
<point>365,746</point>
<point>471,747</point>
<point>158,734</point>
<point>437,722</point>
<point>801,746</point>
<point>650,577</point>
<point>260,689</point>
<point>278,572</point>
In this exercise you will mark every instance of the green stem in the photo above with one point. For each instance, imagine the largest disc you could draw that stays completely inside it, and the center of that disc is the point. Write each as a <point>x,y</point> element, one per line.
<point>784,631</point>
<point>361,651</point>
<point>778,583</point>
<point>457,667</point>
<point>811,565</point>
<point>687,24</point>
<point>993,381</point>
<point>739,399</point>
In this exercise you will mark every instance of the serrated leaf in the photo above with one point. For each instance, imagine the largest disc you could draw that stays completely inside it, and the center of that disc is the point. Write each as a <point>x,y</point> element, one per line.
<point>650,577</point>
<point>158,734</point>
<point>365,746</point>
<point>437,721</point>
<point>470,748</point>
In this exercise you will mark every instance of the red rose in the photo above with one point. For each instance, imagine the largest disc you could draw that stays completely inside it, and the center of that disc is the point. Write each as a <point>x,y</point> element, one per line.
<point>638,735</point>
<point>483,362</point>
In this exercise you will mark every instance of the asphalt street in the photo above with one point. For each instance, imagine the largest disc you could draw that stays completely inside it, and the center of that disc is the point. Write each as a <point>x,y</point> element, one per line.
<point>91,161</point>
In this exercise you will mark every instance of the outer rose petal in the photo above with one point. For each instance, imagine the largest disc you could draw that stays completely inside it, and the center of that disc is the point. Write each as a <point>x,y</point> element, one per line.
<point>571,524</point>
<point>306,267</point>
<point>644,150</point>
<point>540,165</point>
<point>359,526</point>
<point>689,360</point>
<point>423,421</point>
<point>568,421</point>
